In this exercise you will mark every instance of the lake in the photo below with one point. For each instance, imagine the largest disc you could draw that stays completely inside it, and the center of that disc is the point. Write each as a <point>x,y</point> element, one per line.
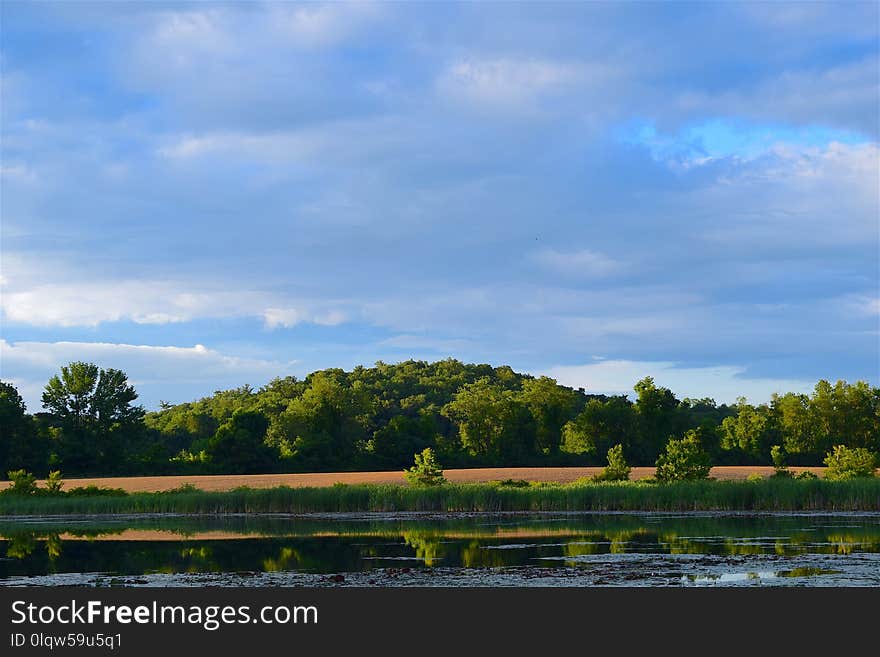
<point>411,549</point>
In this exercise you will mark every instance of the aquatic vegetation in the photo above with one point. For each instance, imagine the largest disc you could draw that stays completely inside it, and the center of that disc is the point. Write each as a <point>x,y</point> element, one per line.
<point>771,494</point>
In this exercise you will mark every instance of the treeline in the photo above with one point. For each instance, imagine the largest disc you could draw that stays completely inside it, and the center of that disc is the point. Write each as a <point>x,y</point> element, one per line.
<point>377,418</point>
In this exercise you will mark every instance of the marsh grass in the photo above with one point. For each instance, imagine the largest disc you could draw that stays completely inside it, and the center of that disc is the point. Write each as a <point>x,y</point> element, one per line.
<point>766,495</point>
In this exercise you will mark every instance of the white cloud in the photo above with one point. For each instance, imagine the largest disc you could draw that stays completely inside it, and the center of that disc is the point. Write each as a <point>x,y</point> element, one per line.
<point>282,317</point>
<point>186,33</point>
<point>723,382</point>
<point>290,317</point>
<point>19,173</point>
<point>321,24</point>
<point>277,147</point>
<point>504,82</point>
<point>29,364</point>
<point>330,318</point>
<point>584,263</point>
<point>796,195</point>
<point>90,303</point>
<point>27,298</point>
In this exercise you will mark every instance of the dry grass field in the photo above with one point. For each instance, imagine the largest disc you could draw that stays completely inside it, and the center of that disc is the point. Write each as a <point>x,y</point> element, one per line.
<point>475,475</point>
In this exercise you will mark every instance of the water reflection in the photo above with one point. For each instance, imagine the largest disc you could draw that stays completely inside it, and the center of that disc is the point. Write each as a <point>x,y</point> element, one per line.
<point>261,544</point>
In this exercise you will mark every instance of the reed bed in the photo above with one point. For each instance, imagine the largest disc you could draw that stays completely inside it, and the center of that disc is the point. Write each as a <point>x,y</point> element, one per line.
<point>763,495</point>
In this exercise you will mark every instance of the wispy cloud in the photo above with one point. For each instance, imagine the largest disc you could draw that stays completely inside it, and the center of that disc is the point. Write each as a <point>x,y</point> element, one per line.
<point>28,298</point>
<point>149,367</point>
<point>582,263</point>
<point>725,382</point>
<point>504,82</point>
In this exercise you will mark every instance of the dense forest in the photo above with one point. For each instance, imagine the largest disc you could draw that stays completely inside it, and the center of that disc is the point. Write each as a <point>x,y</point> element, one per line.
<point>376,418</point>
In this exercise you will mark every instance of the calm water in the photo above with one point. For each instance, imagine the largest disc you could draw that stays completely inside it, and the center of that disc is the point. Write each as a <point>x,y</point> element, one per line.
<point>464,550</point>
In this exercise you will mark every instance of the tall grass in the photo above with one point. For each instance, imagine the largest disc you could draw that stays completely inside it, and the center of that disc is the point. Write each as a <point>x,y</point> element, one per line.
<point>764,495</point>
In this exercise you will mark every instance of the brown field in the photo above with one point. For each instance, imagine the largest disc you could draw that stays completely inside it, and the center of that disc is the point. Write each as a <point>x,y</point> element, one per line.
<point>475,475</point>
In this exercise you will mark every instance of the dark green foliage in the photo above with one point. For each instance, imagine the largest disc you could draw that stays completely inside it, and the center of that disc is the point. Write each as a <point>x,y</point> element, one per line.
<point>426,471</point>
<point>513,483</point>
<point>601,424</point>
<point>96,426</point>
<point>617,469</point>
<point>657,418</point>
<point>684,459</point>
<point>777,455</point>
<point>21,446</point>
<point>849,463</point>
<point>239,444</point>
<point>376,418</point>
<point>95,491</point>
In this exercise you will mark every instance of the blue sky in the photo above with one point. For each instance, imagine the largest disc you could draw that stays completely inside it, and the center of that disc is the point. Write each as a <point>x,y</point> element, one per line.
<point>213,194</point>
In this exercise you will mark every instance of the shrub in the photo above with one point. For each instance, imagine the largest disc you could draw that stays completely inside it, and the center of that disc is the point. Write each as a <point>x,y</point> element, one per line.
<point>684,459</point>
<point>777,454</point>
<point>183,489</point>
<point>617,469</point>
<point>54,482</point>
<point>755,476</point>
<point>513,483</point>
<point>426,471</point>
<point>23,483</point>
<point>849,462</point>
<point>806,474</point>
<point>96,491</point>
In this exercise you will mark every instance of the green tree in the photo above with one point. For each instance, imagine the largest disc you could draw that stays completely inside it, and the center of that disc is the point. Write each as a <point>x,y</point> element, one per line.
<point>324,427</point>
<point>20,444</point>
<point>849,463</point>
<point>777,455</point>
<point>617,469</point>
<point>403,435</point>
<point>796,424</point>
<point>551,406</point>
<point>491,421</point>
<point>846,414</point>
<point>95,413</point>
<point>656,409</point>
<point>750,430</point>
<point>426,471</point>
<point>683,459</point>
<point>602,424</point>
<point>239,445</point>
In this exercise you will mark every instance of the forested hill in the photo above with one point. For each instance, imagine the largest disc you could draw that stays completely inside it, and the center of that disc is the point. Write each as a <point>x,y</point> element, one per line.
<point>379,417</point>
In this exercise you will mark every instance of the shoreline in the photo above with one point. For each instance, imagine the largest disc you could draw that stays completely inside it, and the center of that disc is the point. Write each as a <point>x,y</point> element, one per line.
<point>681,496</point>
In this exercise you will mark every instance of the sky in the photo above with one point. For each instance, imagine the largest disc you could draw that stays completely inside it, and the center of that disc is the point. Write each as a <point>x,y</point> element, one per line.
<point>212,194</point>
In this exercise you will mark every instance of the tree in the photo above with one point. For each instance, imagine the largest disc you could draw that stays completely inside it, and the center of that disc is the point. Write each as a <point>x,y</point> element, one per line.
<point>95,414</point>
<point>599,426</point>
<point>657,417</point>
<point>683,459</point>
<point>777,455</point>
<point>846,414</point>
<point>551,406</point>
<point>849,463</point>
<point>426,471</point>
<point>393,444</point>
<point>617,469</point>
<point>750,430</point>
<point>20,444</point>
<point>796,424</point>
<point>239,445</point>
<point>325,426</point>
<point>490,420</point>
